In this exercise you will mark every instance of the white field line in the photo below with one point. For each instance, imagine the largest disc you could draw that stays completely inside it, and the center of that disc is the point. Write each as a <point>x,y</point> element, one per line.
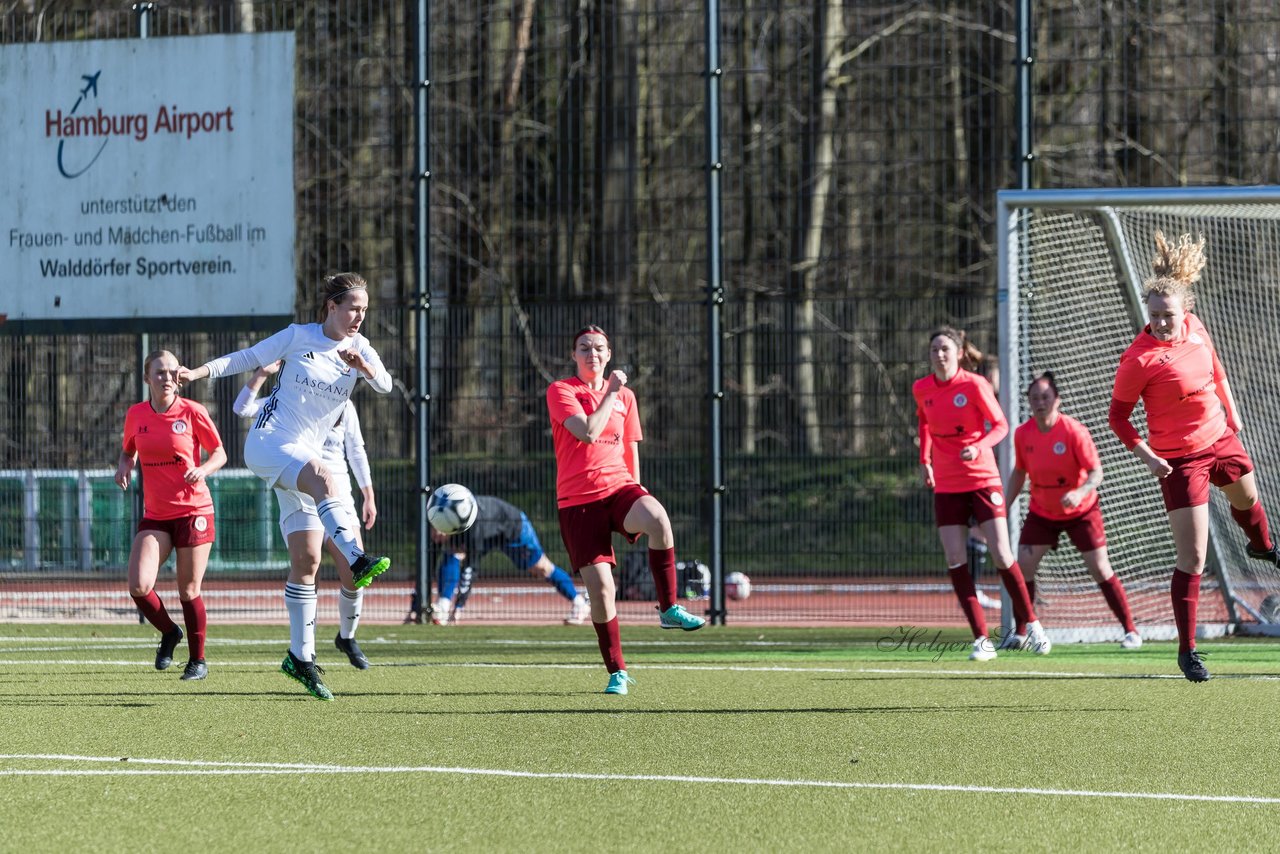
<point>82,641</point>
<point>497,665</point>
<point>200,768</point>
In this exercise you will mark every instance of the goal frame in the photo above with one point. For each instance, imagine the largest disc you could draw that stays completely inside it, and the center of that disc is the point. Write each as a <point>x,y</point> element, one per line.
<point>1010,240</point>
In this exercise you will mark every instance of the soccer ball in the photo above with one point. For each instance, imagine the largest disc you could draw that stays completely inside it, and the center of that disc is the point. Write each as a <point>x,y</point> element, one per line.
<point>452,509</point>
<point>737,585</point>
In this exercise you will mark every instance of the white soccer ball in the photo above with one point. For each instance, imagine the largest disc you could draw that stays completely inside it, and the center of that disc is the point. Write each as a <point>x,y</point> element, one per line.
<point>737,585</point>
<point>452,509</point>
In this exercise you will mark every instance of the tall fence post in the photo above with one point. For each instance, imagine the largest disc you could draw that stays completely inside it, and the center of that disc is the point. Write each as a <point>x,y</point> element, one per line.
<point>143,12</point>
<point>715,306</point>
<point>422,298</point>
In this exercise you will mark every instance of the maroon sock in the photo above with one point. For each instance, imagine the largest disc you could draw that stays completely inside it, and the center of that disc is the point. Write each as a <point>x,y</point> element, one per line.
<point>1113,590</point>
<point>1254,524</point>
<point>610,645</point>
<point>193,616</point>
<point>153,609</point>
<point>1185,592</point>
<point>1021,628</point>
<point>662,563</point>
<point>1023,611</point>
<point>962,581</point>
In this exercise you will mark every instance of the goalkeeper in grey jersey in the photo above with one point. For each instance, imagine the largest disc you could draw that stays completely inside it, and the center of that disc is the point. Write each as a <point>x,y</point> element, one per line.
<point>505,527</point>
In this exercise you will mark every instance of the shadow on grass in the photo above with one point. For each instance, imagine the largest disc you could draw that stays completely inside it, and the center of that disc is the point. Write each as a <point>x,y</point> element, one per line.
<point>816,710</point>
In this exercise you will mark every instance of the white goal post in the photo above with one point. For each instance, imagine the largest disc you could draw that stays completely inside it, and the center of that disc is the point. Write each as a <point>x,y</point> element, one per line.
<point>1071,267</point>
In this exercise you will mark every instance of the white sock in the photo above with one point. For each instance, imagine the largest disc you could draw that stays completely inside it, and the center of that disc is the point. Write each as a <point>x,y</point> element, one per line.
<point>349,611</point>
<point>300,600</point>
<point>340,525</point>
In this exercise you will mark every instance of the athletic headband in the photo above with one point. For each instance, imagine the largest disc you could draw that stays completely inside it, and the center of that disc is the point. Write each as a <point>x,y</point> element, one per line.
<point>587,330</point>
<point>343,293</point>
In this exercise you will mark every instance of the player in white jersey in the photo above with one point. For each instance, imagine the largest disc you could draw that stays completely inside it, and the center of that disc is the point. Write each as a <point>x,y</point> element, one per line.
<point>343,447</point>
<point>322,362</point>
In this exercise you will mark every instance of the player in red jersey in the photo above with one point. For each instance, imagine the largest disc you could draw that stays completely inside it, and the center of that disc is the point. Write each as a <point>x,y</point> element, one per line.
<point>1057,454</point>
<point>165,434</point>
<point>960,424</point>
<point>595,426</point>
<point>1192,427</point>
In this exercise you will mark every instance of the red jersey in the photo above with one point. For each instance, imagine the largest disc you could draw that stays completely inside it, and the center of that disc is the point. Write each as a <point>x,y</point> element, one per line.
<point>952,415</point>
<point>587,471</point>
<point>166,446</point>
<point>1178,383</point>
<point>1056,462</point>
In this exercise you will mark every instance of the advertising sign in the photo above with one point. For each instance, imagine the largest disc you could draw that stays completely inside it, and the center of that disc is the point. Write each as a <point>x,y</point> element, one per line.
<point>149,183</point>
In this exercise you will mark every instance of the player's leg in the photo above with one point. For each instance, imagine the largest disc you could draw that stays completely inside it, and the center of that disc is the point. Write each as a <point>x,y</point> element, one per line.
<point>305,542</point>
<point>579,611</point>
<point>1029,557</point>
<point>977,557</point>
<point>587,532</point>
<point>1248,513</point>
<point>952,514</point>
<point>997,530</point>
<point>447,587</point>
<point>1099,567</point>
<point>1190,526</point>
<point>192,562</point>
<point>598,579</point>
<point>338,516</point>
<point>350,601</point>
<point>151,549</point>
<point>647,516</point>
<point>954,539</point>
<point>465,578</point>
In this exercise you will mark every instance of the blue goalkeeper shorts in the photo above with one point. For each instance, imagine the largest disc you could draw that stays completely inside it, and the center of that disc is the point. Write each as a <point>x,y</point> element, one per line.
<point>526,551</point>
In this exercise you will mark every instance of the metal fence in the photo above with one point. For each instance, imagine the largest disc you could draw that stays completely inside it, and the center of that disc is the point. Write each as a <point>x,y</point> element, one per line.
<point>859,150</point>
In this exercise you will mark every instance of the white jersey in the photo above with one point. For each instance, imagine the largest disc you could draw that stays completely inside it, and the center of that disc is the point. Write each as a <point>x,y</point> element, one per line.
<point>343,445</point>
<point>312,387</point>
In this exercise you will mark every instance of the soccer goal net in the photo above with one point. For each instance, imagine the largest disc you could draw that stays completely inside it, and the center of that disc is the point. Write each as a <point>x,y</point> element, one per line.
<point>1072,263</point>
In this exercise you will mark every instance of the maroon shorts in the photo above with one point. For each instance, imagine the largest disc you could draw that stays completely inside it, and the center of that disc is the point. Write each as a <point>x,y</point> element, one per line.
<point>185,532</point>
<point>1221,464</point>
<point>957,508</point>
<point>1085,531</point>
<point>587,529</point>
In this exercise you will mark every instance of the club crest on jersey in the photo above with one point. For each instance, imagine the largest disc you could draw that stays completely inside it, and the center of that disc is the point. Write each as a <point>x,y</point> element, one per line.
<point>959,400</point>
<point>997,499</point>
<point>179,427</point>
<point>618,406</point>
<point>1195,338</point>
<point>201,524</point>
<point>1059,448</point>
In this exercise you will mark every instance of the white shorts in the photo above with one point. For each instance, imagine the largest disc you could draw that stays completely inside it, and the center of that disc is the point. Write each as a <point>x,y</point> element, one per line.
<point>276,461</point>
<point>298,510</point>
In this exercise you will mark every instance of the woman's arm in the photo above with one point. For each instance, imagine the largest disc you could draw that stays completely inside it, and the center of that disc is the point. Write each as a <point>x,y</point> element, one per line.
<point>265,352</point>
<point>217,459</point>
<point>1223,389</point>
<point>926,446</point>
<point>1017,480</point>
<point>124,469</point>
<point>587,428</point>
<point>366,360</point>
<point>1076,497</point>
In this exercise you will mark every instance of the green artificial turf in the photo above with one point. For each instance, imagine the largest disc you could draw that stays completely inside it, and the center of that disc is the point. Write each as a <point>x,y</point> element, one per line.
<point>737,739</point>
